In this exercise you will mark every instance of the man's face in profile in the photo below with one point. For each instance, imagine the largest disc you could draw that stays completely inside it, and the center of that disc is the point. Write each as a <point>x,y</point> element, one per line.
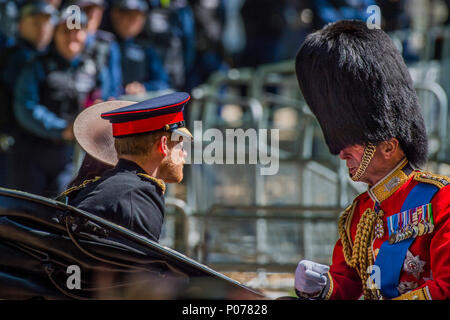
<point>353,157</point>
<point>171,168</point>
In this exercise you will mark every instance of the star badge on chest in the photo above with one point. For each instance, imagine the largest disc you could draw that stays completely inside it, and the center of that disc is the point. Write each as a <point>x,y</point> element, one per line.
<point>413,265</point>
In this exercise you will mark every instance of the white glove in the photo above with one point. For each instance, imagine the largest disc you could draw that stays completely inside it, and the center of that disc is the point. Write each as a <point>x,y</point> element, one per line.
<point>310,277</point>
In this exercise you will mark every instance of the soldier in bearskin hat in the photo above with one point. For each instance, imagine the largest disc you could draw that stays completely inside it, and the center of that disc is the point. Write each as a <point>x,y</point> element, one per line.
<point>395,237</point>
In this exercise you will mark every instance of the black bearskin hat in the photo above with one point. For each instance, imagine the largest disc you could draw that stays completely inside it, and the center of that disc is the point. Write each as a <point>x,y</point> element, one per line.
<point>356,83</point>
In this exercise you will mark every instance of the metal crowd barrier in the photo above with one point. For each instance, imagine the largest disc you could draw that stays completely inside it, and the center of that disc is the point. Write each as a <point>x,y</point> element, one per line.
<point>267,216</point>
<point>441,114</point>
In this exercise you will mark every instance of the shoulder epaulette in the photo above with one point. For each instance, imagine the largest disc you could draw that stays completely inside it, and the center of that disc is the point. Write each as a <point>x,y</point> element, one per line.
<point>431,178</point>
<point>75,188</point>
<point>158,182</point>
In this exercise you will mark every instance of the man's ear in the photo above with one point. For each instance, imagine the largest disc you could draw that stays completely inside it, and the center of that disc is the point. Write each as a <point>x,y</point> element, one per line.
<point>163,147</point>
<point>390,148</point>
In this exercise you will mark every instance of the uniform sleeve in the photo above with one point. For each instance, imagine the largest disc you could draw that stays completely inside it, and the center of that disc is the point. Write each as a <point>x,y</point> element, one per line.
<point>439,286</point>
<point>31,115</point>
<point>346,283</point>
<point>158,77</point>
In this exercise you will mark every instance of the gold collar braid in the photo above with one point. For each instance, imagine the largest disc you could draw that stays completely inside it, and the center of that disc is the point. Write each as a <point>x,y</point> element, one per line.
<point>361,256</point>
<point>387,186</point>
<point>369,151</point>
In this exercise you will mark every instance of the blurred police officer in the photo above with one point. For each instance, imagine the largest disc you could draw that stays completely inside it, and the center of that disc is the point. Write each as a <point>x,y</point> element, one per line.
<point>36,25</point>
<point>171,30</point>
<point>50,91</point>
<point>102,45</point>
<point>142,70</point>
<point>210,52</point>
<point>264,22</point>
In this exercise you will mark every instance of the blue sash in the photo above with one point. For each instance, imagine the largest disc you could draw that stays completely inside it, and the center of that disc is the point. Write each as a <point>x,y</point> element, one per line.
<point>391,256</point>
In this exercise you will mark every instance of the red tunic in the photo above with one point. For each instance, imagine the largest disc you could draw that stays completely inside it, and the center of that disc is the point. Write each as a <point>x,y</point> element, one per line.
<point>429,277</point>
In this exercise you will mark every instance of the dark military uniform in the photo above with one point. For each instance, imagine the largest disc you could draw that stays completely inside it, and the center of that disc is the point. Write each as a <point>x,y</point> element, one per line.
<point>138,204</point>
<point>126,194</point>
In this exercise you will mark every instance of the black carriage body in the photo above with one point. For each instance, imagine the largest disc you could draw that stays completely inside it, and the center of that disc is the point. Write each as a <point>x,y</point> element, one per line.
<point>44,244</point>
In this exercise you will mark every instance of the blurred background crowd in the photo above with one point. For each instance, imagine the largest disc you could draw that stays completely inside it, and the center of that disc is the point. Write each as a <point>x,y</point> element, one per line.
<point>235,57</point>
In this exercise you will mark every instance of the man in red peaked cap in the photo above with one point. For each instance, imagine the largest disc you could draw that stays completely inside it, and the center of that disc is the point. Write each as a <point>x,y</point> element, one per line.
<point>146,150</point>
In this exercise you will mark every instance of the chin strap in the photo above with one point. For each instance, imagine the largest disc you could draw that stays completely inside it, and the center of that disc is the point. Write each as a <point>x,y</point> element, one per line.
<point>369,151</point>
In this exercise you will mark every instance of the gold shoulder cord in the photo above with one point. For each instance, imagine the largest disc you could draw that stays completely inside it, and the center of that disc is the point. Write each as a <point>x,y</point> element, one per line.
<point>344,236</point>
<point>85,182</point>
<point>360,257</point>
<point>159,182</point>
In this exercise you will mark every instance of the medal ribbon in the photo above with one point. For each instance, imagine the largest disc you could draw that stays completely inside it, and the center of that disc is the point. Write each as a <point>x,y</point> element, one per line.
<point>391,256</point>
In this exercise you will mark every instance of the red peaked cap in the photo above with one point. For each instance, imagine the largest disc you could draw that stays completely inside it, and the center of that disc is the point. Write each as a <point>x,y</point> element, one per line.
<point>164,113</point>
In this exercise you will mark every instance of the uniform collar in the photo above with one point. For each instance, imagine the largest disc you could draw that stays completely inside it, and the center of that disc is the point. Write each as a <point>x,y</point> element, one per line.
<point>388,185</point>
<point>133,166</point>
<point>129,165</point>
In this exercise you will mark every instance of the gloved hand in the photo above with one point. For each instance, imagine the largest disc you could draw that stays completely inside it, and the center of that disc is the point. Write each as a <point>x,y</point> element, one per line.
<point>310,277</point>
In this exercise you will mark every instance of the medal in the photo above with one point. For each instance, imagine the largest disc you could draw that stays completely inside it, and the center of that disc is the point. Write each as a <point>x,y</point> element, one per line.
<point>379,230</point>
<point>415,230</point>
<point>410,223</point>
<point>427,228</point>
<point>393,238</point>
<point>421,228</point>
<point>413,265</point>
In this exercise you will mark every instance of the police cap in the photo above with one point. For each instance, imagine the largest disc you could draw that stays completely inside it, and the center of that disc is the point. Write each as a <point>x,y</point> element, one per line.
<point>86,3</point>
<point>29,8</point>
